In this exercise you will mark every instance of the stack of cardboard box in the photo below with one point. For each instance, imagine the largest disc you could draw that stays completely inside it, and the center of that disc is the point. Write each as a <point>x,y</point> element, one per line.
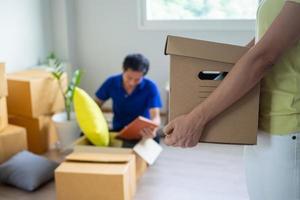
<point>12,138</point>
<point>34,95</point>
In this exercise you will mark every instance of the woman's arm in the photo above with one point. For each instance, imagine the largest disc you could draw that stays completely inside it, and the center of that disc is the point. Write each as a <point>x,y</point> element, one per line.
<point>247,72</point>
<point>251,43</point>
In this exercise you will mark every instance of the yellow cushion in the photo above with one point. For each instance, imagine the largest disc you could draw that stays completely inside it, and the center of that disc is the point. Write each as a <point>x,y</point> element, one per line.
<point>90,118</point>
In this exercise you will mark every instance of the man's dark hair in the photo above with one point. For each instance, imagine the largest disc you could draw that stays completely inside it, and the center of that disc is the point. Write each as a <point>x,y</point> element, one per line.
<point>136,62</point>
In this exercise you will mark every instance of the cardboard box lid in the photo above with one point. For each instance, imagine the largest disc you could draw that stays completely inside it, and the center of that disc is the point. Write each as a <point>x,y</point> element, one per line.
<point>99,157</point>
<point>187,47</point>
<point>30,74</point>
<point>34,75</point>
<point>93,163</point>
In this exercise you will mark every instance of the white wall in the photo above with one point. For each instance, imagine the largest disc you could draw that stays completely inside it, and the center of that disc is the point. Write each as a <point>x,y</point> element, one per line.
<point>107,31</point>
<point>25,33</point>
<point>91,34</point>
<point>64,32</point>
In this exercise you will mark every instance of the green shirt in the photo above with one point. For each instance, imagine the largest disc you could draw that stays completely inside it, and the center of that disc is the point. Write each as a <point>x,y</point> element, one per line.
<point>280,88</point>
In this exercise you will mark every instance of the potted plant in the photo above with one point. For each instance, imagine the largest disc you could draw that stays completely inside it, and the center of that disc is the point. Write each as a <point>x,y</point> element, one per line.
<point>67,128</point>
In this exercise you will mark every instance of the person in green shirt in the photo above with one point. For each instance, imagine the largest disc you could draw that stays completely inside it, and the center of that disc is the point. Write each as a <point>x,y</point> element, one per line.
<point>273,165</point>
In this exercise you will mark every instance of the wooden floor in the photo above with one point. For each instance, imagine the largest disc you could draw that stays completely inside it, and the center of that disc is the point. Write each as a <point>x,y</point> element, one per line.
<point>208,172</point>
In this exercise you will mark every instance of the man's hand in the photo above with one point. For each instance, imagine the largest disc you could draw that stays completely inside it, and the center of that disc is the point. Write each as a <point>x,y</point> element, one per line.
<point>148,132</point>
<point>184,131</point>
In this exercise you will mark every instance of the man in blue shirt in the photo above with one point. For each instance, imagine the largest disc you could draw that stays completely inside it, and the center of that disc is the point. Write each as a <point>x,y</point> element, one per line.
<point>132,95</point>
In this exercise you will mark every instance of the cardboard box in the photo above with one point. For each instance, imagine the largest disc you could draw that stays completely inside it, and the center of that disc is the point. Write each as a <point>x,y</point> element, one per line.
<point>3,82</point>
<point>85,176</point>
<point>3,113</point>
<point>190,60</point>
<point>12,141</point>
<point>146,153</point>
<point>34,92</point>
<point>40,131</point>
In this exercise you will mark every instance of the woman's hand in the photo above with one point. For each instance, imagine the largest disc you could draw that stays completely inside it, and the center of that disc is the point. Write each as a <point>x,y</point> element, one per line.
<point>148,132</point>
<point>184,131</point>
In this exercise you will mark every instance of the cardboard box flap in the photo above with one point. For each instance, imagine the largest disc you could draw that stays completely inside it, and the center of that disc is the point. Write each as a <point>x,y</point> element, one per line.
<point>147,149</point>
<point>83,145</point>
<point>99,157</point>
<point>31,74</point>
<point>203,49</point>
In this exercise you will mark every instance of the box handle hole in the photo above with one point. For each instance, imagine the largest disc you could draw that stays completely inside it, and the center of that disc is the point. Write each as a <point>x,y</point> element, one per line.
<point>212,75</point>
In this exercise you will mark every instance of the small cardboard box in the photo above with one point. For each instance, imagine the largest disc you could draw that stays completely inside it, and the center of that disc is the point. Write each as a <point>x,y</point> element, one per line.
<point>146,152</point>
<point>40,131</point>
<point>85,176</point>
<point>190,60</point>
<point>3,113</point>
<point>3,82</point>
<point>34,92</point>
<point>12,141</point>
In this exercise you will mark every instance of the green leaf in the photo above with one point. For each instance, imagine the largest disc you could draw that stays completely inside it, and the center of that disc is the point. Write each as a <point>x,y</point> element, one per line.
<point>51,56</point>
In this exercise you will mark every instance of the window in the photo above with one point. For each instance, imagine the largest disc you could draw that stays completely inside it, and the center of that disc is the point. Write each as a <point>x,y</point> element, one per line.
<point>198,14</point>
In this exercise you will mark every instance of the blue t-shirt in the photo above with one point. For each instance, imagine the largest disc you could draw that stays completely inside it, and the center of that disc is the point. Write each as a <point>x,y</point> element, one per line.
<point>128,107</point>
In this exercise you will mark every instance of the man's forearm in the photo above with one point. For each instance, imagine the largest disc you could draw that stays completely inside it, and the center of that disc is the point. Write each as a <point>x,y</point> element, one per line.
<point>156,120</point>
<point>99,102</point>
<point>155,115</point>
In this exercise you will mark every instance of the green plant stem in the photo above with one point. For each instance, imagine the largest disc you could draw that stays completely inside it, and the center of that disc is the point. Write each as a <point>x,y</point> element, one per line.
<point>68,110</point>
<point>67,107</point>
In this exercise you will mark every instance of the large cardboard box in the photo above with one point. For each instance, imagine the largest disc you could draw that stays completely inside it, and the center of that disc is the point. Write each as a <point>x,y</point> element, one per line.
<point>3,82</point>
<point>40,131</point>
<point>34,92</point>
<point>146,152</point>
<point>190,61</point>
<point>3,113</point>
<point>85,176</point>
<point>12,141</point>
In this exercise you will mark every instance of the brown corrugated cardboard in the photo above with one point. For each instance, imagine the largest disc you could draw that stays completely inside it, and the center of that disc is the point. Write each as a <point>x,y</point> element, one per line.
<point>33,93</point>
<point>39,130</point>
<point>3,113</point>
<point>85,176</point>
<point>83,145</point>
<point>52,134</point>
<point>189,57</point>
<point>3,82</point>
<point>12,141</point>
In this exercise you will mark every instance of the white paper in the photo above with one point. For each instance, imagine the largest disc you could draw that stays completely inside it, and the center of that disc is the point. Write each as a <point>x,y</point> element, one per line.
<point>148,149</point>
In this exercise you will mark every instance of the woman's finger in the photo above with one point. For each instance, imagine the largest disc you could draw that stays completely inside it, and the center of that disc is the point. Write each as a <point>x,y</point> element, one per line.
<point>168,129</point>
